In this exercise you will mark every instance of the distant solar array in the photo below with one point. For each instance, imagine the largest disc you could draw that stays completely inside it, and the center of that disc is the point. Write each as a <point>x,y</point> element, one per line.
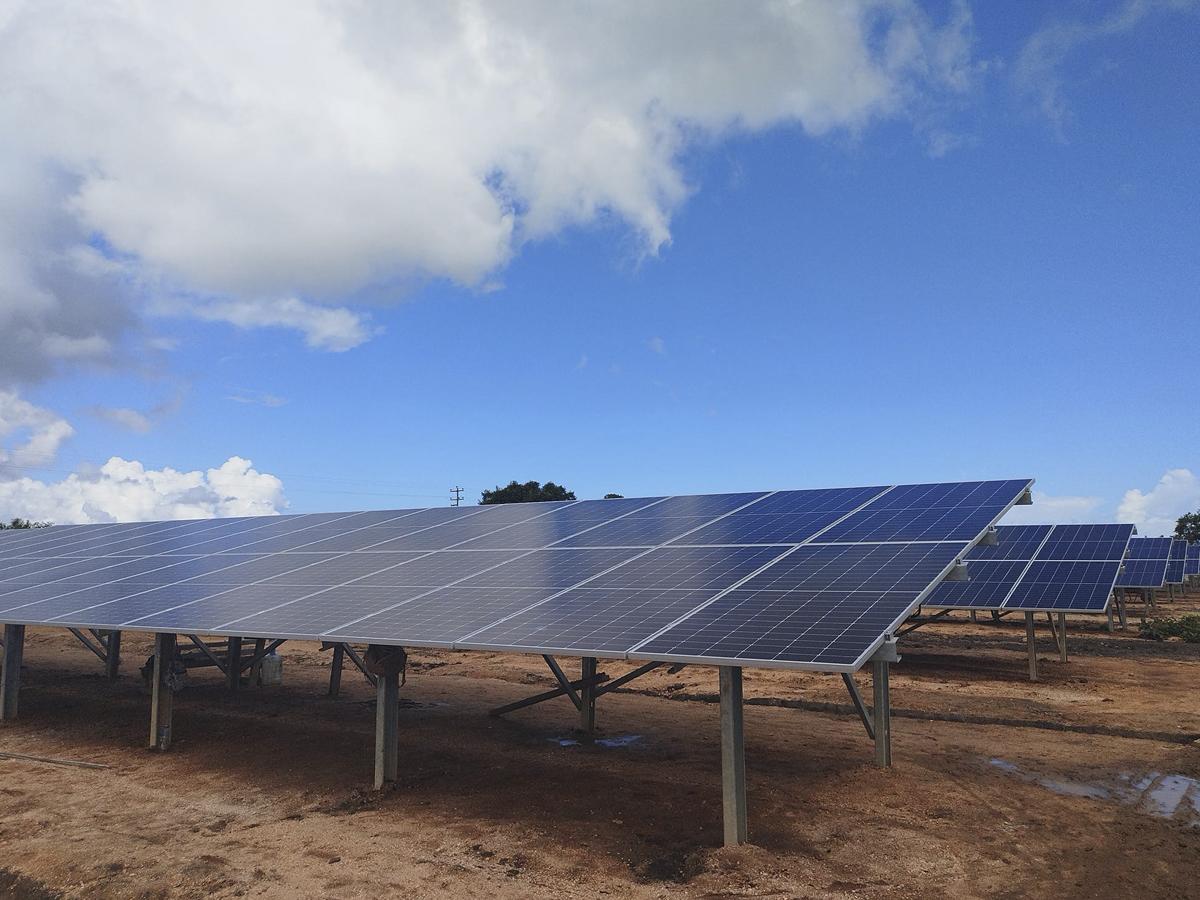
<point>802,579</point>
<point>1192,560</point>
<point>1146,563</point>
<point>1047,568</point>
<point>1177,562</point>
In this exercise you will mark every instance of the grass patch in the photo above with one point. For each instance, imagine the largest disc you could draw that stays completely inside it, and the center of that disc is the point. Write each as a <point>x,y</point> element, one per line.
<point>1185,627</point>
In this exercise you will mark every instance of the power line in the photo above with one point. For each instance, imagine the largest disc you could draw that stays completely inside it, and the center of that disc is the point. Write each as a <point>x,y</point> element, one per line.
<point>456,496</point>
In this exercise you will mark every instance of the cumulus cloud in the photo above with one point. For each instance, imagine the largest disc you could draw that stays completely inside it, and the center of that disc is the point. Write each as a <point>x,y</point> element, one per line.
<point>1155,511</point>
<point>126,491</point>
<point>1038,69</point>
<point>260,163</point>
<point>1049,510</point>
<point>30,435</point>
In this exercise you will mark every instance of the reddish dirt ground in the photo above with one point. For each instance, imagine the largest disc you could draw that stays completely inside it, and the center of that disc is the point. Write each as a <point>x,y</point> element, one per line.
<point>264,793</point>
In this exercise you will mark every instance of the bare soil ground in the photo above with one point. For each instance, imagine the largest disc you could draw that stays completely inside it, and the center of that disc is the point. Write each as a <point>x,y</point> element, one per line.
<point>265,793</point>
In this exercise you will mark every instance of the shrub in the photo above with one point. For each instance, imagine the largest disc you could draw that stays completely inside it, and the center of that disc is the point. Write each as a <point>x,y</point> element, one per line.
<point>1186,627</point>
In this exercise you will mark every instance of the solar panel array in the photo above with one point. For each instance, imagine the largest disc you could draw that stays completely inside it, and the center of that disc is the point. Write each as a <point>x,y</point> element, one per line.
<point>1177,562</point>
<point>1050,568</point>
<point>1146,563</point>
<point>803,579</point>
<point>1192,560</point>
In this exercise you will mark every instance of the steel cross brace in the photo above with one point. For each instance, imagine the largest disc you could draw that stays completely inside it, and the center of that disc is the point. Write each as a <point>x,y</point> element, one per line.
<point>87,642</point>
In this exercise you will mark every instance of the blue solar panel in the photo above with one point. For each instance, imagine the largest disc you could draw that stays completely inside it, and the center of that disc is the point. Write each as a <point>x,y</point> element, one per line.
<point>926,512</point>
<point>1012,542</point>
<point>1057,585</point>
<point>1145,563</point>
<point>1059,568</point>
<point>1192,560</point>
<point>1176,562</point>
<point>991,581</point>
<point>832,570</point>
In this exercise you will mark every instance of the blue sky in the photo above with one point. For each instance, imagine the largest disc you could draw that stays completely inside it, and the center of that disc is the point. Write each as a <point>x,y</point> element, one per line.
<point>1000,283</point>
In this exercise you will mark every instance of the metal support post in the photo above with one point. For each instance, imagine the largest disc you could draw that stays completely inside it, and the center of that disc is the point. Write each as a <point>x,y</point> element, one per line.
<point>1121,609</point>
<point>112,655</point>
<point>233,663</point>
<point>162,701</point>
<point>10,676</point>
<point>335,670</point>
<point>733,756</point>
<point>387,664</point>
<point>587,696</point>
<point>1062,636</point>
<point>1031,640</point>
<point>881,710</point>
<point>1108,611</point>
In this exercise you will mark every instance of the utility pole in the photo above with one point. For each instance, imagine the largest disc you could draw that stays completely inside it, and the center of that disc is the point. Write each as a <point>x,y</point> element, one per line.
<point>455,496</point>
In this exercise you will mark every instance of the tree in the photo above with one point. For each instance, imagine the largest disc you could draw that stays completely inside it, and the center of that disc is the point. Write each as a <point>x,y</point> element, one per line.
<point>614,496</point>
<point>23,523</point>
<point>529,492</point>
<point>1187,527</point>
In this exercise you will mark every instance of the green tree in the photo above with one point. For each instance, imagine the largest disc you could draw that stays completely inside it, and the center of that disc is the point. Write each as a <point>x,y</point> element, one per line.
<point>614,496</point>
<point>23,523</point>
<point>1187,527</point>
<point>529,492</point>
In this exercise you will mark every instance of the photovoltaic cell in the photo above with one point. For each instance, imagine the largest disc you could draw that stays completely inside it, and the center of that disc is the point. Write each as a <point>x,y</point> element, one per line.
<point>1176,562</point>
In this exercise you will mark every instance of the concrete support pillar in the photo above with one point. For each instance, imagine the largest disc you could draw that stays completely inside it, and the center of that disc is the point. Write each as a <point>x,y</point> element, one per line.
<point>112,655</point>
<point>233,663</point>
<point>587,696</point>
<point>386,663</point>
<point>10,674</point>
<point>1031,640</point>
<point>162,701</point>
<point>733,757</point>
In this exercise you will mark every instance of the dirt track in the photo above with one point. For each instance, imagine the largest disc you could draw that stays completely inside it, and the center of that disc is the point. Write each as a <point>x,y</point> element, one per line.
<point>264,794</point>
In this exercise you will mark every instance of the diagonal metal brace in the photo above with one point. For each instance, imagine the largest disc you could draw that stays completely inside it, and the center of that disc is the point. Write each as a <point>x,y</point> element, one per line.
<point>221,664</point>
<point>87,642</point>
<point>262,654</point>
<point>546,695</point>
<point>859,705</point>
<point>628,677</point>
<point>563,681</point>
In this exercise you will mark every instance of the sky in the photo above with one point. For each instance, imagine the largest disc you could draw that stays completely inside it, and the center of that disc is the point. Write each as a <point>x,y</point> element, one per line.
<point>322,256</point>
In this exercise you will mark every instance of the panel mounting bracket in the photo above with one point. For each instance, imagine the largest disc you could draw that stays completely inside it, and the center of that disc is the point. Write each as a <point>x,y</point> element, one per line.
<point>887,652</point>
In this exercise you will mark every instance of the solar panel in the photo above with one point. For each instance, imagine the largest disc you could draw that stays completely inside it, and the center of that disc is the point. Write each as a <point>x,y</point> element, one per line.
<point>1146,563</point>
<point>804,579</point>
<point>1176,562</point>
<point>1192,560</point>
<point>1044,568</point>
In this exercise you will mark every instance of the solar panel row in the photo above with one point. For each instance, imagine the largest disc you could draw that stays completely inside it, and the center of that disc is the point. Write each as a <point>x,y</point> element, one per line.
<point>1051,568</point>
<point>807,579</point>
<point>1146,563</point>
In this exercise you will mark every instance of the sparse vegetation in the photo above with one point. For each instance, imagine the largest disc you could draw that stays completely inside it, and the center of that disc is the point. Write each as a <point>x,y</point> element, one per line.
<point>23,523</point>
<point>1185,627</point>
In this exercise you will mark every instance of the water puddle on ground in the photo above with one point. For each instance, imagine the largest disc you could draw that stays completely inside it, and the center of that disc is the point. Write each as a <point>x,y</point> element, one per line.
<point>616,742</point>
<point>1175,797</point>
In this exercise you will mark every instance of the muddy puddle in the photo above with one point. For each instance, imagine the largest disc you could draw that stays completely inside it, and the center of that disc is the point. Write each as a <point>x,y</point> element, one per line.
<point>1164,796</point>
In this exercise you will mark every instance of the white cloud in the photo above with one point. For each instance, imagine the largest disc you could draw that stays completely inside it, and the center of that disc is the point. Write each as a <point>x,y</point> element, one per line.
<point>125,491</point>
<point>1048,510</point>
<point>257,398</point>
<point>30,434</point>
<point>657,345</point>
<point>1155,511</point>
<point>323,327</point>
<point>125,417</point>
<point>1038,69</point>
<point>258,163</point>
